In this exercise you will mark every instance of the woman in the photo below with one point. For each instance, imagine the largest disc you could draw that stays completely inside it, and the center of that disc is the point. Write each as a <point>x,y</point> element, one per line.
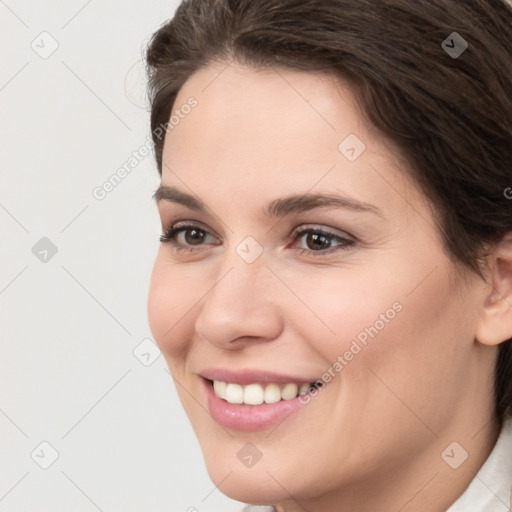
<point>333,291</point>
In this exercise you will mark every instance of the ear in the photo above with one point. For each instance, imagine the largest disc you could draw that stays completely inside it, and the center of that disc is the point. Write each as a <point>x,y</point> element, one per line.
<point>495,319</point>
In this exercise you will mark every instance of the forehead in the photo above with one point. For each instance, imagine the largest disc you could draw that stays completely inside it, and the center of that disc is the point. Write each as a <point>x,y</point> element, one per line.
<point>265,101</point>
<point>278,127</point>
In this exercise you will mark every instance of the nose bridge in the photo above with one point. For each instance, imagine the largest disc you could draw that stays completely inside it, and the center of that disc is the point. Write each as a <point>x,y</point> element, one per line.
<point>240,302</point>
<point>242,273</point>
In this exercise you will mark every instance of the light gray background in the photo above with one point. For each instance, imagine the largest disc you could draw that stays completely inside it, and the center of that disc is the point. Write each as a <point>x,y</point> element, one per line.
<point>69,325</point>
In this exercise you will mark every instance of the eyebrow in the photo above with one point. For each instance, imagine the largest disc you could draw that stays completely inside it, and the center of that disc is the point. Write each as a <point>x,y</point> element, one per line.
<point>278,207</point>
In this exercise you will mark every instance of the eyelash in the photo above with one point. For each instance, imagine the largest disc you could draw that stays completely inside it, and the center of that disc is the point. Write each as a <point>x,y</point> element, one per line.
<point>169,237</point>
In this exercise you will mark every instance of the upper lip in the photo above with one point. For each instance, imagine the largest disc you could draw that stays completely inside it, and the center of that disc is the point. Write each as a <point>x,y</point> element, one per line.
<point>250,376</point>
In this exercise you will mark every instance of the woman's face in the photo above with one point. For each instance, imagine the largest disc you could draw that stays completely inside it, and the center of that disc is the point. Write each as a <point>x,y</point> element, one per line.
<point>362,298</point>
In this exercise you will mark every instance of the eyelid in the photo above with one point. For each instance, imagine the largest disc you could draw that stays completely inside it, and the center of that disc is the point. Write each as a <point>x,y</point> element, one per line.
<point>193,224</point>
<point>327,230</point>
<point>189,223</point>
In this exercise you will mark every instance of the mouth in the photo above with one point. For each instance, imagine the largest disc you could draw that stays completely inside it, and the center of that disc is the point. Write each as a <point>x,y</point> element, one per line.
<point>255,402</point>
<point>257,394</point>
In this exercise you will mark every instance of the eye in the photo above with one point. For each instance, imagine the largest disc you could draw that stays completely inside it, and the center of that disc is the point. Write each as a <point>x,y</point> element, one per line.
<point>320,242</point>
<point>182,235</point>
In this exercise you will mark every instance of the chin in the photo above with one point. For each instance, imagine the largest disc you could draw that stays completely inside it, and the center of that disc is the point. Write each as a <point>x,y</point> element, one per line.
<point>260,481</point>
<point>248,485</point>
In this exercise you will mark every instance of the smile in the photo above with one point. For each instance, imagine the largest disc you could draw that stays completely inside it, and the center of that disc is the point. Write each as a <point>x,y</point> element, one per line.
<point>257,394</point>
<point>253,400</point>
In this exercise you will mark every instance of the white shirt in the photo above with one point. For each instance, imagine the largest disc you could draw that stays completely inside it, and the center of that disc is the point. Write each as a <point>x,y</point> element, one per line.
<point>489,491</point>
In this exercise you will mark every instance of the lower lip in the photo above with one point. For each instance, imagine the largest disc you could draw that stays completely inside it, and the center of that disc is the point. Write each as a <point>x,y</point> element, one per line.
<point>249,417</point>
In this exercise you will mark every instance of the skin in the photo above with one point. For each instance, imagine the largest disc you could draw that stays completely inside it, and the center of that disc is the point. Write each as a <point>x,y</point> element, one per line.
<point>372,439</point>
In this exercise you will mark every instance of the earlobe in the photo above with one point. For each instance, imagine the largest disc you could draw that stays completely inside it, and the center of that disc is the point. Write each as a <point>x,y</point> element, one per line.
<point>495,319</point>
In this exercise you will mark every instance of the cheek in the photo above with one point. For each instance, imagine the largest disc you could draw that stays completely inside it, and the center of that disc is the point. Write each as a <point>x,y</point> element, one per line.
<point>171,296</point>
<point>344,307</point>
<point>417,361</point>
<point>400,322</point>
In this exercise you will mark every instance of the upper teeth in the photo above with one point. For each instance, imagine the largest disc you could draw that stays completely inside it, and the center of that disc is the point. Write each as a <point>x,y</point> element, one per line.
<point>256,394</point>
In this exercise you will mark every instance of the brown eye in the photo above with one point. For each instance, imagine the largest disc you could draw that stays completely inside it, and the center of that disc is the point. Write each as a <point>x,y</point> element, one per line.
<point>319,242</point>
<point>185,235</point>
<point>316,241</point>
<point>193,235</point>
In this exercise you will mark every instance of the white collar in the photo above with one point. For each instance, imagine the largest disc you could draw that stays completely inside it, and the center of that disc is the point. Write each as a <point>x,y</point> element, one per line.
<point>491,488</point>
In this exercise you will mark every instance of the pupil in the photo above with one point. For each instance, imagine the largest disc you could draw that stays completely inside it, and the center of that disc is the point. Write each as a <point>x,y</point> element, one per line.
<point>315,238</point>
<point>196,235</point>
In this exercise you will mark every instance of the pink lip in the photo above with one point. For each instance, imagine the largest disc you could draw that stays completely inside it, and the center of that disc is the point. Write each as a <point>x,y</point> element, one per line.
<point>252,377</point>
<point>249,417</point>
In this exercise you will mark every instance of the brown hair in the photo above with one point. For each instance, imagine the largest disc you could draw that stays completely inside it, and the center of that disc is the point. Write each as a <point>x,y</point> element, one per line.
<point>450,115</point>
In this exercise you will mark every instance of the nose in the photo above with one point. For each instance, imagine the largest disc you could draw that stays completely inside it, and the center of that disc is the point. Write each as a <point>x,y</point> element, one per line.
<point>242,305</point>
